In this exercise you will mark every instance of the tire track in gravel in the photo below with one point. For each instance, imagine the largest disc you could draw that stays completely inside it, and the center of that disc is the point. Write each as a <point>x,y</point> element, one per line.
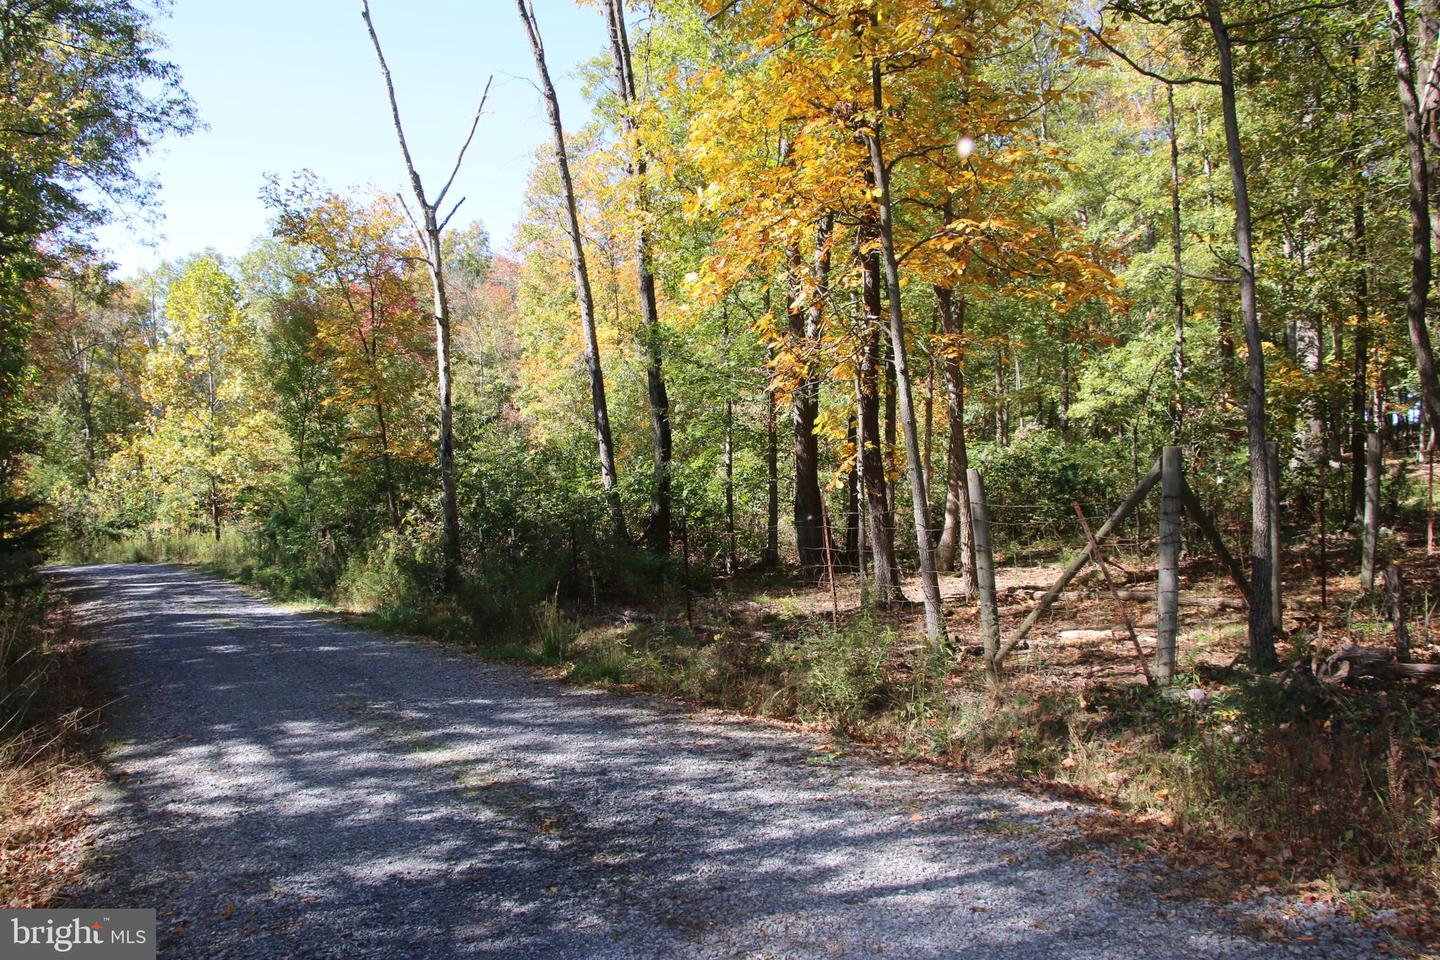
<point>288,787</point>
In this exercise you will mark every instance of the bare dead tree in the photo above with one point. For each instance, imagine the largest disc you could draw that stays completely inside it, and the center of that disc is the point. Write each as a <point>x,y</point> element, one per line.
<point>428,228</point>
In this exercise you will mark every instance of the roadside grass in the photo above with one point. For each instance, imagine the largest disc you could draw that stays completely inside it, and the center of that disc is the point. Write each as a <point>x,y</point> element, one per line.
<point>1333,795</point>
<point>49,753</point>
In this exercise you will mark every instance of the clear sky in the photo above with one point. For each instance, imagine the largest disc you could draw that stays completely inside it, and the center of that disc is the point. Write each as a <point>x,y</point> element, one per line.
<point>286,85</point>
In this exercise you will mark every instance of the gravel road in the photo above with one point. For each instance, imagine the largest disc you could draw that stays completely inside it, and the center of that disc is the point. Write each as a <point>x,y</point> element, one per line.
<point>287,787</point>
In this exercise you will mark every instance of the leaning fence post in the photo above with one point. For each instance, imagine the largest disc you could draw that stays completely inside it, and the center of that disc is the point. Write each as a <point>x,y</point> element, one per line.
<point>985,576</point>
<point>1142,489</point>
<point>1167,589</point>
<point>1372,511</point>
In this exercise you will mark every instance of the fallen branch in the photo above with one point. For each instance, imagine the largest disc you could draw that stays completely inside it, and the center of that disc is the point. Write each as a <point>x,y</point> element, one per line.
<point>1078,562</point>
<point>1084,636</point>
<point>1128,576</point>
<point>1212,533</point>
<point>1098,558</point>
<point>1352,662</point>
<point>1076,596</point>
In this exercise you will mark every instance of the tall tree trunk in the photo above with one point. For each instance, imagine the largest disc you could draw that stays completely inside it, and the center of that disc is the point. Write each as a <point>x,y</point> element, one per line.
<point>1416,303</point>
<point>729,486</point>
<point>1019,391</point>
<point>1359,382</point>
<point>955,536</point>
<point>929,581</point>
<point>429,229</point>
<point>888,449</point>
<point>770,560</point>
<point>449,501</point>
<point>1176,249</point>
<point>657,531</point>
<point>929,444</point>
<point>851,549</point>
<point>604,442</point>
<point>805,323</point>
<point>1002,400</point>
<point>1262,627</point>
<point>729,452</point>
<point>880,528</point>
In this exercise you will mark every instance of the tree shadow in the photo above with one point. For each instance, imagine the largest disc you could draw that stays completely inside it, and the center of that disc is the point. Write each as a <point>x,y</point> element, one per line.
<point>289,786</point>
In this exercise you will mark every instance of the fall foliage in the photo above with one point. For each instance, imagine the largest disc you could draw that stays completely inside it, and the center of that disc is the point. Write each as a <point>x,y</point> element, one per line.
<point>802,268</point>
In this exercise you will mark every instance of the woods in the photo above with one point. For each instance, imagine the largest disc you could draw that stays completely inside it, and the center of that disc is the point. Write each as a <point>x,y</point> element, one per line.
<point>873,315</point>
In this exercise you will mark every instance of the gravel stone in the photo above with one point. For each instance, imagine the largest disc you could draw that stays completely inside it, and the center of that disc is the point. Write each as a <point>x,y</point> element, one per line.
<point>285,786</point>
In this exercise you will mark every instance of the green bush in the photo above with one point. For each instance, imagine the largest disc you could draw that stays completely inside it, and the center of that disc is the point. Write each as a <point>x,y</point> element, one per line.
<point>553,630</point>
<point>398,570</point>
<point>1031,483</point>
<point>844,673</point>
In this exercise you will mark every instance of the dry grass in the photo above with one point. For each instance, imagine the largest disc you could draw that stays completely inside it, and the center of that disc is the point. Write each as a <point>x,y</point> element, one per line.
<point>47,774</point>
<point>1333,799</point>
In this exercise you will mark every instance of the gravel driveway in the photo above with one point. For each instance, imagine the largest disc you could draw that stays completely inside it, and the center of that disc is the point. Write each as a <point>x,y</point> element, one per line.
<point>288,787</point>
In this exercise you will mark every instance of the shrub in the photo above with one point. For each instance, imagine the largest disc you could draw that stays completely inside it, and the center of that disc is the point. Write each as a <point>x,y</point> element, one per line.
<point>844,675</point>
<point>23,604</point>
<point>400,569</point>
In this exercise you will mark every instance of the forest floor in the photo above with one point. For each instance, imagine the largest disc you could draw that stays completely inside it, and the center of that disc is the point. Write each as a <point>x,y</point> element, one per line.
<point>286,785</point>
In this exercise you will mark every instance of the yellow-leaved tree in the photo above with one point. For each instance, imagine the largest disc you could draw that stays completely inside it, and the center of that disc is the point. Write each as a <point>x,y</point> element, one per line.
<point>211,444</point>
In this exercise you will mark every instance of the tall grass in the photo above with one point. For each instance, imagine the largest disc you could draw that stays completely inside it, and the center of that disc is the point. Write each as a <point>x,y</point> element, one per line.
<point>232,551</point>
<point>23,605</point>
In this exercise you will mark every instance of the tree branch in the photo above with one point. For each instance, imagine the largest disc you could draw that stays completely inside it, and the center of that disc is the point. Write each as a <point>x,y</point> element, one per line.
<point>1169,81</point>
<point>395,110</point>
<point>485,95</point>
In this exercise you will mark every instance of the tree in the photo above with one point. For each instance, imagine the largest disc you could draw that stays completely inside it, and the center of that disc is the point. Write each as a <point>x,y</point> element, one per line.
<point>608,476</point>
<point>1414,114</point>
<point>367,322</point>
<point>84,97</point>
<point>428,230</point>
<point>208,440</point>
<point>657,531</point>
<point>1262,483</point>
<point>919,496</point>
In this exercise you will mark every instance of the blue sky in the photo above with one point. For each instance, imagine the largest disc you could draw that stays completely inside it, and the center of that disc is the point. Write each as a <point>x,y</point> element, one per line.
<point>292,84</point>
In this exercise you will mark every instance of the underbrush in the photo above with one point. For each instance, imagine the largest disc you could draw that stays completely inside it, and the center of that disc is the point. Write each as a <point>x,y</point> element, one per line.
<point>841,678</point>
<point>48,759</point>
<point>1326,787</point>
<point>396,579</point>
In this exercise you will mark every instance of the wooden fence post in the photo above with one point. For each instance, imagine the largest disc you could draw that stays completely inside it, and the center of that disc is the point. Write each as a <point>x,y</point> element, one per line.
<point>1167,589</point>
<point>985,576</point>
<point>1371,535</point>
<point>1277,605</point>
